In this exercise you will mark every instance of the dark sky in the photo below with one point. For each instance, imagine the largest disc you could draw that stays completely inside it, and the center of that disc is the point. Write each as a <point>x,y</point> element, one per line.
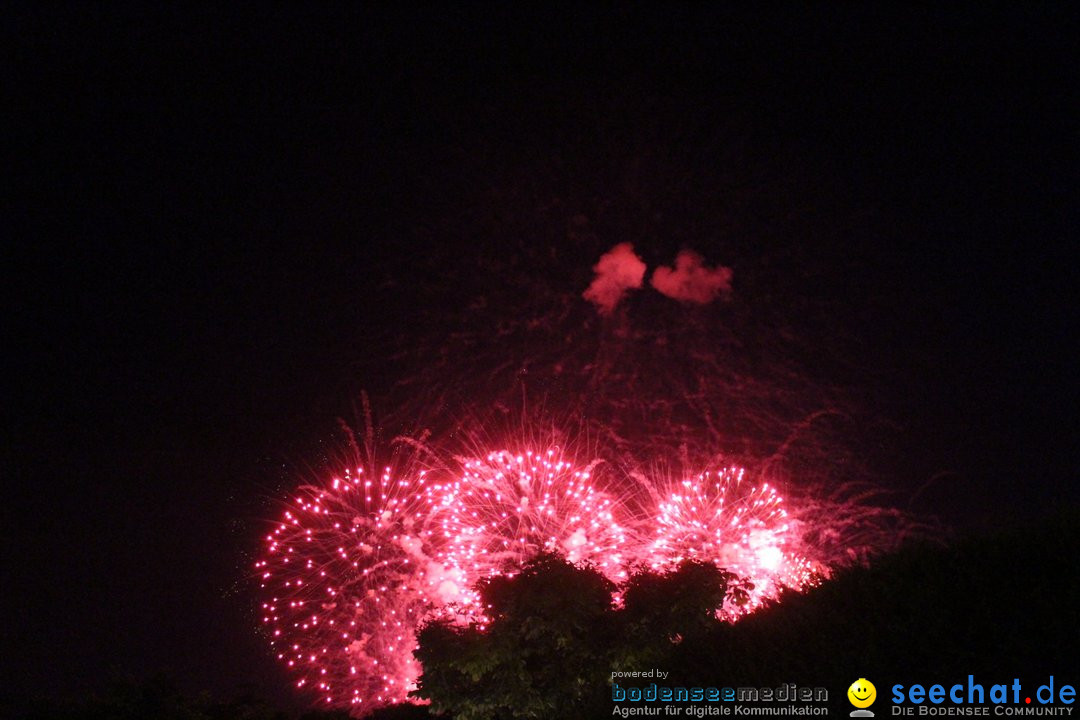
<point>205,211</point>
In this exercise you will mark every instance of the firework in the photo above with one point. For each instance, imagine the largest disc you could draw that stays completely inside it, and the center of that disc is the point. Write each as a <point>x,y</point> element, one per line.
<point>512,506</point>
<point>349,572</point>
<point>723,518</point>
<point>354,566</point>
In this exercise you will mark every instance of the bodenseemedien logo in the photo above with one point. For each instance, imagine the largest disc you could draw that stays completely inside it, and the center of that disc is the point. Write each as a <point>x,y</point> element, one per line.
<point>678,701</point>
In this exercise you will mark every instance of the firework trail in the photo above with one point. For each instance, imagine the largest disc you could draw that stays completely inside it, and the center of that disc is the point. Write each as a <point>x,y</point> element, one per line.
<point>355,566</point>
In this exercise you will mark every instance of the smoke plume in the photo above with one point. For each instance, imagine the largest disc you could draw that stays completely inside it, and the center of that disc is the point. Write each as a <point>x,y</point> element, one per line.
<point>690,281</point>
<point>617,271</point>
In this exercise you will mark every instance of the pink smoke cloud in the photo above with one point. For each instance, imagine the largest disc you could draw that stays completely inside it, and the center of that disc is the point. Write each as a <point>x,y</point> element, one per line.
<point>618,271</point>
<point>690,281</point>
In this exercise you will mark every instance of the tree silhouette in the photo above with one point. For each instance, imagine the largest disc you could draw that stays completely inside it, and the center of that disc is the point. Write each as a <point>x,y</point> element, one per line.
<point>547,644</point>
<point>554,636</point>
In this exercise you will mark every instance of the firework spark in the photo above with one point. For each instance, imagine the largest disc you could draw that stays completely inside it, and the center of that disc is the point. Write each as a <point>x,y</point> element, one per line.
<point>354,566</point>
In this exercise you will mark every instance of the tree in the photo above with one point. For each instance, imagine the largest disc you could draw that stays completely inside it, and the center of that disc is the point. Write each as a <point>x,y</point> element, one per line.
<point>554,635</point>
<point>543,654</point>
<point>665,609</point>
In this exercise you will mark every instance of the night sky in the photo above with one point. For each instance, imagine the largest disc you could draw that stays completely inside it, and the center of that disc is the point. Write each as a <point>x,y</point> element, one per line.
<point>219,227</point>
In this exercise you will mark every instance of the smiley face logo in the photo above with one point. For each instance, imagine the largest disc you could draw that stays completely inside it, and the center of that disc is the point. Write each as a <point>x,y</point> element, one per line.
<point>862,693</point>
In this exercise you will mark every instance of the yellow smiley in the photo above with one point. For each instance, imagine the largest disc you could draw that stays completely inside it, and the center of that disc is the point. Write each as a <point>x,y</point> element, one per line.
<point>862,693</point>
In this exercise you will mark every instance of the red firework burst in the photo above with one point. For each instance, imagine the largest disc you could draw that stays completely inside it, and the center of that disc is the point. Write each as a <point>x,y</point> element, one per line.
<point>349,572</point>
<point>512,506</point>
<point>354,566</point>
<point>723,518</point>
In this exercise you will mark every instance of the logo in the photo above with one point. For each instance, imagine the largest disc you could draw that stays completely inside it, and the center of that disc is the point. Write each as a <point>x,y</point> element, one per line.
<point>862,694</point>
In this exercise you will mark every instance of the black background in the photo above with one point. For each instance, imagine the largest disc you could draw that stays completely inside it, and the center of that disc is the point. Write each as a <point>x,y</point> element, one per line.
<point>206,209</point>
